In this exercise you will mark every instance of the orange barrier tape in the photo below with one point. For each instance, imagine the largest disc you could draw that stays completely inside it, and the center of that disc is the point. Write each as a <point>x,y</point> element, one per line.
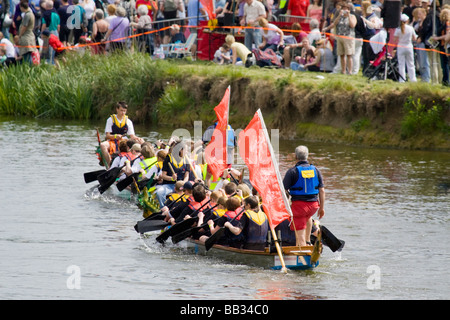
<point>232,27</point>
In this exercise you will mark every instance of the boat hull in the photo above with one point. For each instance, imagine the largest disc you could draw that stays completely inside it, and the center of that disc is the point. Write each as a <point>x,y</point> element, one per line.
<point>294,259</point>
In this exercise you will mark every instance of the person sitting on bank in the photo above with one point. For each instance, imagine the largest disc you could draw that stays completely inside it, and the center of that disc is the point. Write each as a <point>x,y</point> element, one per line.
<point>118,127</point>
<point>305,185</point>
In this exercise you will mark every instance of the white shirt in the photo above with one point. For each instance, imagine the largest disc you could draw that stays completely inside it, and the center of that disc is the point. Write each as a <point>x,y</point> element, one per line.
<point>109,124</point>
<point>405,39</point>
<point>10,51</point>
<point>89,7</point>
<point>153,170</point>
<point>253,11</point>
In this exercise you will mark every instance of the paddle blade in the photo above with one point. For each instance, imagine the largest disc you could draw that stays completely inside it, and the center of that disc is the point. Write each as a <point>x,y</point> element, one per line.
<point>214,238</point>
<point>182,235</point>
<point>107,175</point>
<point>330,240</point>
<point>163,236</point>
<point>92,176</point>
<point>121,185</point>
<point>179,227</point>
<point>105,186</point>
<point>150,225</point>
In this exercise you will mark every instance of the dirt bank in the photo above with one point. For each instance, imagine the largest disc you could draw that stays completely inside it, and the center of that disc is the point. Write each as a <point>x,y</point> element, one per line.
<point>315,107</point>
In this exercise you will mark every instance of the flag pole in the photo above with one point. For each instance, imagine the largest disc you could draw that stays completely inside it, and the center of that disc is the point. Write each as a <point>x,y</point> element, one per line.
<point>226,129</point>
<point>280,182</point>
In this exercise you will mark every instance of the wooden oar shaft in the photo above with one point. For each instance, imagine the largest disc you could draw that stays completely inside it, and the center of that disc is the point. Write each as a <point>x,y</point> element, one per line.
<point>280,253</point>
<point>192,169</point>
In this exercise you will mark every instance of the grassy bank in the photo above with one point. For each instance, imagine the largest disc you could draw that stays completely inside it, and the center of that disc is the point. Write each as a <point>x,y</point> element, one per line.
<point>312,106</point>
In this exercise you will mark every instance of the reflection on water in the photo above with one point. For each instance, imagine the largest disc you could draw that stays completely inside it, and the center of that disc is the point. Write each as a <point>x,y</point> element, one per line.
<point>389,206</point>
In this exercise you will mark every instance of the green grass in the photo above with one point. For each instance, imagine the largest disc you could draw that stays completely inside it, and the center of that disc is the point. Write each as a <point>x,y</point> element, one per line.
<point>179,92</point>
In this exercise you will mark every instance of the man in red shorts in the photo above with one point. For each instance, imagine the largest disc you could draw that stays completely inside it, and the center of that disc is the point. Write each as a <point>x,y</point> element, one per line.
<point>305,185</point>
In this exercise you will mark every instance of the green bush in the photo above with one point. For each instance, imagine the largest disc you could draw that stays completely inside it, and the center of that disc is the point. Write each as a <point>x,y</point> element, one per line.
<point>420,119</point>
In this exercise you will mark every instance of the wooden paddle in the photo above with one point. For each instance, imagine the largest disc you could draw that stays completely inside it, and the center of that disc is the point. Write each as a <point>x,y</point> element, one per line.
<point>100,150</point>
<point>187,233</point>
<point>219,233</point>
<point>180,226</point>
<point>93,175</point>
<point>193,170</point>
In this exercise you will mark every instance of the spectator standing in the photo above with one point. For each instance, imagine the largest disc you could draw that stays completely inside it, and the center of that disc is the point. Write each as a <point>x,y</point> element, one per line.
<point>345,23</point>
<point>89,8</point>
<point>419,15</point>
<point>118,31</point>
<point>64,15</point>
<point>253,12</point>
<point>405,52</point>
<point>297,8</point>
<point>27,39</point>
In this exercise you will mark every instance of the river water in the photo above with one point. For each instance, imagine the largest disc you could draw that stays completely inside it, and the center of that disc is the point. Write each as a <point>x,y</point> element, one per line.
<point>61,240</point>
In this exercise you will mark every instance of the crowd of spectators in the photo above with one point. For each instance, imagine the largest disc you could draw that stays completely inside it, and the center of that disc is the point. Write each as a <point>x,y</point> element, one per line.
<point>337,40</point>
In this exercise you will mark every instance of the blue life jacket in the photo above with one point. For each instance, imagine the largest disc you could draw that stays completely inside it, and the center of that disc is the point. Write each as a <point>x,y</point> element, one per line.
<point>307,183</point>
<point>231,139</point>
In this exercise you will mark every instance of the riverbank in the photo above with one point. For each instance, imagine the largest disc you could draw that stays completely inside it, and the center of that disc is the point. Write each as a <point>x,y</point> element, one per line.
<point>311,106</point>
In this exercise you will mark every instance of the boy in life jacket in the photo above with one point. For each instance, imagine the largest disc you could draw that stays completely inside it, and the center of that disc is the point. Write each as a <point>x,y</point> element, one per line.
<point>199,201</point>
<point>233,235</point>
<point>175,167</point>
<point>118,127</point>
<point>143,163</point>
<point>123,155</point>
<point>254,225</point>
<point>177,193</point>
<point>178,208</point>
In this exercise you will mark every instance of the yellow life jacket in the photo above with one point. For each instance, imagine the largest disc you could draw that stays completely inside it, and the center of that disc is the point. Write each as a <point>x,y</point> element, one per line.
<point>147,164</point>
<point>118,123</point>
<point>174,162</point>
<point>257,217</point>
<point>220,212</point>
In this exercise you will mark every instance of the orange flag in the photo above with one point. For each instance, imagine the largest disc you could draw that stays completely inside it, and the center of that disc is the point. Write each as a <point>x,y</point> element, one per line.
<point>216,150</point>
<point>256,150</point>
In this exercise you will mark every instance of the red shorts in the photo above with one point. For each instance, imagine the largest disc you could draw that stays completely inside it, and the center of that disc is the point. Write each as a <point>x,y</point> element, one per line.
<point>302,211</point>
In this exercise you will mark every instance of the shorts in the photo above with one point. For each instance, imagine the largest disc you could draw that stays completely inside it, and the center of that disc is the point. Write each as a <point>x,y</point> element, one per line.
<point>345,46</point>
<point>302,211</point>
<point>64,34</point>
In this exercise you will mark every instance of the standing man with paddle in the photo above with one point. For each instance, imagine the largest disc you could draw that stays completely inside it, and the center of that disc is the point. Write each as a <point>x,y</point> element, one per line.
<point>118,127</point>
<point>305,185</point>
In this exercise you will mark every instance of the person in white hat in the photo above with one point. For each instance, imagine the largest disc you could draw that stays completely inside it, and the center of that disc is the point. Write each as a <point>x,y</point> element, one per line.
<point>405,52</point>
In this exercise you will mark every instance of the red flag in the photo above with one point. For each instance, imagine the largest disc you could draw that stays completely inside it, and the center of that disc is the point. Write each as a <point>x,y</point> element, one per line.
<point>255,149</point>
<point>208,5</point>
<point>216,150</point>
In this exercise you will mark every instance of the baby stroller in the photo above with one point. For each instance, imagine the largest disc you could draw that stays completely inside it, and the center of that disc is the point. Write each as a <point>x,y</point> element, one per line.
<point>385,66</point>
